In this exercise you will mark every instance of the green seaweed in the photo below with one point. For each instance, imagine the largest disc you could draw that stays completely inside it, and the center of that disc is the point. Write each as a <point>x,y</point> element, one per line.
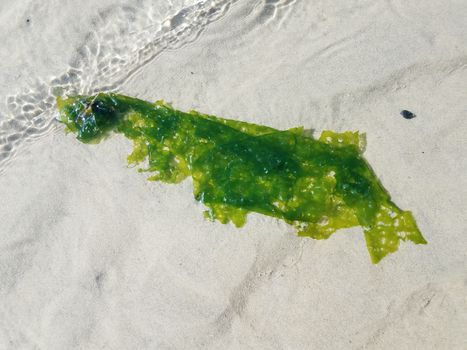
<point>316,185</point>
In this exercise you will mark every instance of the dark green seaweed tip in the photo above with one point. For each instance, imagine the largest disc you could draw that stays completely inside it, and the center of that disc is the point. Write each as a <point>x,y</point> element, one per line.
<point>91,118</point>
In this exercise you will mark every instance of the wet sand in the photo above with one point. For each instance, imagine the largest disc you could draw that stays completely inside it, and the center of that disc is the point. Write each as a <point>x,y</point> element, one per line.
<point>93,256</point>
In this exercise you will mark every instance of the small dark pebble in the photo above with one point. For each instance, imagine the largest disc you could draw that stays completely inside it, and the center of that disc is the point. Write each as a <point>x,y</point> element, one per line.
<point>192,73</point>
<point>407,114</point>
<point>28,20</point>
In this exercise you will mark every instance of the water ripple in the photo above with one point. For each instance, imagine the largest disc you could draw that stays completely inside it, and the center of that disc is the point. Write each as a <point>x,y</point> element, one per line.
<point>122,40</point>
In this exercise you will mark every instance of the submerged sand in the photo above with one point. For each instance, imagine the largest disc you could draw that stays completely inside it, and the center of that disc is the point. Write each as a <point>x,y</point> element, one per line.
<point>95,257</point>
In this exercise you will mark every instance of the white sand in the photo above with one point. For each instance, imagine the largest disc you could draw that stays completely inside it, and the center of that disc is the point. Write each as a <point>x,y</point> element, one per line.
<point>92,256</point>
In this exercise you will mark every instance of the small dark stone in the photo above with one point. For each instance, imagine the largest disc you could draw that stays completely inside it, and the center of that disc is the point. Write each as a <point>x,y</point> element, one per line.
<point>28,20</point>
<point>407,114</point>
<point>99,278</point>
<point>192,73</point>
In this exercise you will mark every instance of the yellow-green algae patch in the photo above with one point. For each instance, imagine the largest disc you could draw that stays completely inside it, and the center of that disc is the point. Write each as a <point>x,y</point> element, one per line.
<point>316,185</point>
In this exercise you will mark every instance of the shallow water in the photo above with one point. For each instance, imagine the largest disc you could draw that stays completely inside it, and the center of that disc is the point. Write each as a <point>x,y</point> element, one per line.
<point>113,42</point>
<point>94,256</point>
